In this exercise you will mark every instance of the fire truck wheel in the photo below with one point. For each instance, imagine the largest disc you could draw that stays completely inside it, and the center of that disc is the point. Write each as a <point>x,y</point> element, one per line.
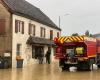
<point>63,69</point>
<point>98,66</point>
<point>88,66</point>
<point>84,66</point>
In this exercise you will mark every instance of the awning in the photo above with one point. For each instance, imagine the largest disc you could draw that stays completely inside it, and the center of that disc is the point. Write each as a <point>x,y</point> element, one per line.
<point>42,41</point>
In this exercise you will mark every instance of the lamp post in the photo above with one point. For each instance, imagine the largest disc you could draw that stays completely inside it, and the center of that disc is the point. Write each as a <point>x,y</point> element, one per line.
<point>60,19</point>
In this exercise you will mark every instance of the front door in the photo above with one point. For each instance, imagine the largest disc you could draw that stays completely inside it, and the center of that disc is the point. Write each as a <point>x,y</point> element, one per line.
<point>35,51</point>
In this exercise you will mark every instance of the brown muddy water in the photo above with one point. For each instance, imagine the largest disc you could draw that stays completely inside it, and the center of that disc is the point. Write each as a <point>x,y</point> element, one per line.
<point>47,72</point>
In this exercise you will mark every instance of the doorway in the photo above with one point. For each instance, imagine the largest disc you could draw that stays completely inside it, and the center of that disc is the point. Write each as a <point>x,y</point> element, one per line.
<point>35,51</point>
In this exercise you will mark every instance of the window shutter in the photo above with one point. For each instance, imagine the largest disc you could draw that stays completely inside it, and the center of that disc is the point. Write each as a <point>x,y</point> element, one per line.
<point>57,34</point>
<point>44,32</point>
<point>29,29</point>
<point>41,32</point>
<point>34,30</point>
<point>16,26</point>
<point>22,27</point>
<point>2,26</point>
<point>51,34</point>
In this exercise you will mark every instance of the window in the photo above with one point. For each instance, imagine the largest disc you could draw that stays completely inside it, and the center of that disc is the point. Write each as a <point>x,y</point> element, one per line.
<point>42,32</point>
<point>2,26</point>
<point>31,30</point>
<point>19,26</point>
<point>18,49</point>
<point>51,34</point>
<point>57,34</point>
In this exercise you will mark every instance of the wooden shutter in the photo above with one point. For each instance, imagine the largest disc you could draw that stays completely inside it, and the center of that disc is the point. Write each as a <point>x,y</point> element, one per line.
<point>16,26</point>
<point>57,34</point>
<point>34,30</point>
<point>41,32</point>
<point>22,27</point>
<point>44,32</point>
<point>2,26</point>
<point>51,34</point>
<point>19,26</point>
<point>29,29</point>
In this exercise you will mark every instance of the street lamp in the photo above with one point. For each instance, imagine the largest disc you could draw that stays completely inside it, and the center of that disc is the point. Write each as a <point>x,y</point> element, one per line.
<point>60,19</point>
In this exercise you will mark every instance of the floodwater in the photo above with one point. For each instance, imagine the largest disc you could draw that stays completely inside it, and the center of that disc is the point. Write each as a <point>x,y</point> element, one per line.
<point>47,72</point>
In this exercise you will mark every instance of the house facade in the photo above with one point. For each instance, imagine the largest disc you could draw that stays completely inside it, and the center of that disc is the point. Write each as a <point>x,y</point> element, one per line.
<point>24,29</point>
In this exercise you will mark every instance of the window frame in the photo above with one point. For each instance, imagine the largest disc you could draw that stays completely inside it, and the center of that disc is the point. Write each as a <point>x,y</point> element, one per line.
<point>42,32</point>
<point>19,26</point>
<point>32,29</point>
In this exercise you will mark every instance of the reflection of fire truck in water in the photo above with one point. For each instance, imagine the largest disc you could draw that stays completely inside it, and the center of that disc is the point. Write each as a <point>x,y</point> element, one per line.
<point>79,51</point>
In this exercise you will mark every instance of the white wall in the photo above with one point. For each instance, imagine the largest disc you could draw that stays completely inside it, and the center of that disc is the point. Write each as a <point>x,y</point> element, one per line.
<point>22,38</point>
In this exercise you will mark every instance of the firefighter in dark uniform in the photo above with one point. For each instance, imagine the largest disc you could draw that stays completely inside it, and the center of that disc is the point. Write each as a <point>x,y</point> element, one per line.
<point>48,54</point>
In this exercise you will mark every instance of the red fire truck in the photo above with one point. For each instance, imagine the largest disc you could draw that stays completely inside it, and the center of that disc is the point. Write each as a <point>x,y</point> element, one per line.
<point>79,51</point>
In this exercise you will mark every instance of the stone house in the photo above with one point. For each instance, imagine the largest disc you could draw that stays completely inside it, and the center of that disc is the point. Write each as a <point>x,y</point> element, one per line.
<point>24,29</point>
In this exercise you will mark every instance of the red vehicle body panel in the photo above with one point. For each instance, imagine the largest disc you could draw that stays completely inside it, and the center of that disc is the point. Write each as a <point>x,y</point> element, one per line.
<point>91,48</point>
<point>98,46</point>
<point>91,45</point>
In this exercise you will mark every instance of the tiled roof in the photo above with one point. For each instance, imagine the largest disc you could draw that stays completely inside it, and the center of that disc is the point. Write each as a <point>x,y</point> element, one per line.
<point>37,40</point>
<point>24,8</point>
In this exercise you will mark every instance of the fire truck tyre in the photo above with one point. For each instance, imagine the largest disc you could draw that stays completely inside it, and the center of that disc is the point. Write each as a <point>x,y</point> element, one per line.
<point>89,66</point>
<point>84,65</point>
<point>98,66</point>
<point>63,69</point>
<point>61,63</point>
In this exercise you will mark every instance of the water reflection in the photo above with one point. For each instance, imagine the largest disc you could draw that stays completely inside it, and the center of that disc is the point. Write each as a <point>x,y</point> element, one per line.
<point>47,72</point>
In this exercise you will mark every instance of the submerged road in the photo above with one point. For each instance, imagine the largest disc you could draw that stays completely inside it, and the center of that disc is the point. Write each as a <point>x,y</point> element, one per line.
<point>47,72</point>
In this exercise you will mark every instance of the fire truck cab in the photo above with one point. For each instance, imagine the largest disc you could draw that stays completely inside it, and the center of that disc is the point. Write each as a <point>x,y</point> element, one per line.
<point>79,51</point>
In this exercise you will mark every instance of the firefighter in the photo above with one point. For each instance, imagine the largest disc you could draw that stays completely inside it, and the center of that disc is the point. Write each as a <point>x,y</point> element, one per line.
<point>40,55</point>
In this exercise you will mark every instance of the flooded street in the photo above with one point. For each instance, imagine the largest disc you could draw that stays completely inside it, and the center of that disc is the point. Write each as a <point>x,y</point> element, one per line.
<point>47,72</point>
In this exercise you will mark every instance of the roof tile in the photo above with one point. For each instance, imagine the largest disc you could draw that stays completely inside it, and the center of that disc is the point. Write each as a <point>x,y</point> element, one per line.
<point>28,10</point>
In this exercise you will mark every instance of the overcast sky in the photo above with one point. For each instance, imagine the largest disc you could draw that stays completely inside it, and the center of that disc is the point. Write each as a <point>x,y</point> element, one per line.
<point>83,14</point>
